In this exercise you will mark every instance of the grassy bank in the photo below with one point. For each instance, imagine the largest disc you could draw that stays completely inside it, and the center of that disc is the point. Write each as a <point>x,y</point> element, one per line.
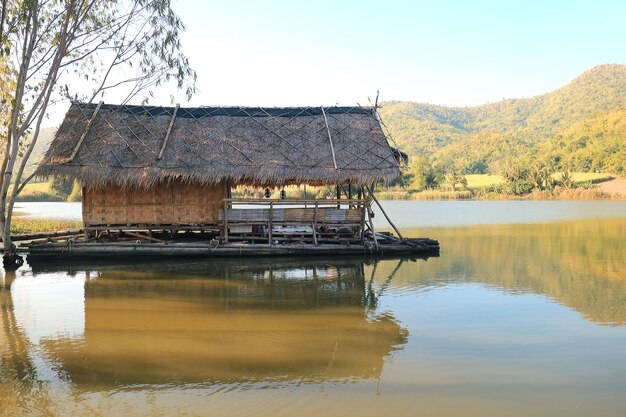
<point>22,225</point>
<point>486,180</point>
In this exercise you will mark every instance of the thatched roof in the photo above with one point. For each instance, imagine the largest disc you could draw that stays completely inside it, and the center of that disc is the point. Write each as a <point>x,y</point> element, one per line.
<point>122,145</point>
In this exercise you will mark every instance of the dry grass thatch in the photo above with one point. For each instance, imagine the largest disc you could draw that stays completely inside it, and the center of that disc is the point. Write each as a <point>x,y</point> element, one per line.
<point>211,144</point>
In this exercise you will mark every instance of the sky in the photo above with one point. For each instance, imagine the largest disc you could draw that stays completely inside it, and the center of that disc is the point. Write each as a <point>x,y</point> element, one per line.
<point>454,53</point>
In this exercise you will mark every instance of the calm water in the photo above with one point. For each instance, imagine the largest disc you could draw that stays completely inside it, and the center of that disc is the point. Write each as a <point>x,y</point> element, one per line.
<point>525,318</point>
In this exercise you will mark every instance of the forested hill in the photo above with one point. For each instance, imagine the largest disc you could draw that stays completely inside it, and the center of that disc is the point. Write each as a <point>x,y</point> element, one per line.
<point>478,138</point>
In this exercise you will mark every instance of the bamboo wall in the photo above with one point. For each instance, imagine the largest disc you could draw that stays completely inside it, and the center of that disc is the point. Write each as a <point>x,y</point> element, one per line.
<point>171,203</point>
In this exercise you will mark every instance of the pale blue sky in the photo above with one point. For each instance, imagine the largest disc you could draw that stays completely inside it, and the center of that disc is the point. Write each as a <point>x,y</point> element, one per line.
<point>279,52</point>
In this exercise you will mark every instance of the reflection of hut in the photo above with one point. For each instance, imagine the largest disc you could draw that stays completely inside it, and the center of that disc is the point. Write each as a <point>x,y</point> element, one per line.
<point>150,169</point>
<point>206,327</point>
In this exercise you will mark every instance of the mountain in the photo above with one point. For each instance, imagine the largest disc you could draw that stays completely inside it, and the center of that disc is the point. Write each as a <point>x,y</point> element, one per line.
<point>474,138</point>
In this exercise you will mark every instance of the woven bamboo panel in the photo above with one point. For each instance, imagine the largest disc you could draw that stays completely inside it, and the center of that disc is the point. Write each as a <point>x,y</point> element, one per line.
<point>166,204</point>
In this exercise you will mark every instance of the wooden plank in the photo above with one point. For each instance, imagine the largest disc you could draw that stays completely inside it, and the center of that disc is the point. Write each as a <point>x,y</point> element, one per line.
<point>167,134</point>
<point>266,201</point>
<point>52,239</point>
<point>230,223</point>
<point>31,236</point>
<point>292,202</point>
<point>82,137</point>
<point>140,236</point>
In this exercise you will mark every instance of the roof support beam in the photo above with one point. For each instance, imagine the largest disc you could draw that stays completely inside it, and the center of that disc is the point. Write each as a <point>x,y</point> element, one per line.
<point>167,134</point>
<point>82,137</point>
<point>330,138</point>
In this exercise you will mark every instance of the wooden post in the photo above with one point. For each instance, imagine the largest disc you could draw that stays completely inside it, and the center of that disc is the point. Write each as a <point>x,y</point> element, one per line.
<point>369,215</point>
<point>315,224</point>
<point>225,221</point>
<point>385,214</point>
<point>363,208</point>
<point>269,232</point>
<point>228,186</point>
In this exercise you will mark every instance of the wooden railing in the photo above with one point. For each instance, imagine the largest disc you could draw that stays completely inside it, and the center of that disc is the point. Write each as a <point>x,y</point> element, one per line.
<point>307,221</point>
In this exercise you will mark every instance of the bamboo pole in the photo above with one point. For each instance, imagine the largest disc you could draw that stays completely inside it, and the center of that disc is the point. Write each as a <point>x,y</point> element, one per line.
<point>140,236</point>
<point>82,137</point>
<point>31,236</point>
<point>384,213</point>
<point>169,130</point>
<point>330,138</point>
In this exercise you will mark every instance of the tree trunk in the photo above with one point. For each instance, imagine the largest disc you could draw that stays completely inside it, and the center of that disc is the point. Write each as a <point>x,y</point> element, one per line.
<point>6,237</point>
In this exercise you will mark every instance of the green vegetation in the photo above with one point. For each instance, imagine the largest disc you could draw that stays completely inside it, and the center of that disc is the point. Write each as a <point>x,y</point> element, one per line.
<point>597,144</point>
<point>522,143</point>
<point>22,225</point>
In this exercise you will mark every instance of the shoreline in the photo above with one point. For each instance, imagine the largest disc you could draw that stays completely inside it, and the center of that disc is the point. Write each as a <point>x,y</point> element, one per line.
<point>612,190</point>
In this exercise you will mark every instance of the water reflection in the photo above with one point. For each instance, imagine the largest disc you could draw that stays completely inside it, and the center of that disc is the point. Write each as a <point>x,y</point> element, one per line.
<point>579,264</point>
<point>207,321</point>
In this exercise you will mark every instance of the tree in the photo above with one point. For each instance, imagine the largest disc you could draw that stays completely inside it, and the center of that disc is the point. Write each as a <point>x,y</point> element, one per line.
<point>421,174</point>
<point>517,177</point>
<point>61,187</point>
<point>79,50</point>
<point>540,176</point>
<point>566,179</point>
<point>455,177</point>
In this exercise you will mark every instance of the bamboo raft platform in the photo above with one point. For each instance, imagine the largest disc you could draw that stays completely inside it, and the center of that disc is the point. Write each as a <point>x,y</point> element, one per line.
<point>247,228</point>
<point>76,249</point>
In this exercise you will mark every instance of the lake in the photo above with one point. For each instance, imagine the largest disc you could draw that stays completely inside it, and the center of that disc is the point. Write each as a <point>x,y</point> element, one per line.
<point>523,314</point>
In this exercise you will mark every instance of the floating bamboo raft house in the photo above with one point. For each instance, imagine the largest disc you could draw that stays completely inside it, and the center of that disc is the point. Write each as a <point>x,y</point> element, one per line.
<point>157,181</point>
